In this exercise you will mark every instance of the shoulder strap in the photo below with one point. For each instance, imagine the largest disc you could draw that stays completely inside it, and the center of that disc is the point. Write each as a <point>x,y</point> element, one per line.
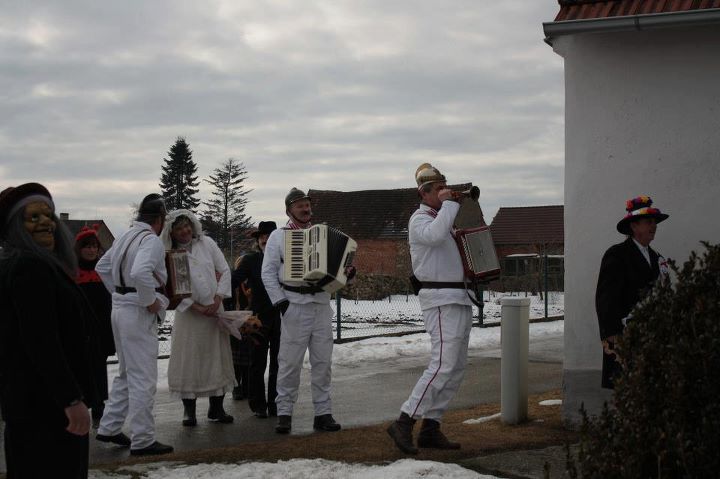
<point>122,260</point>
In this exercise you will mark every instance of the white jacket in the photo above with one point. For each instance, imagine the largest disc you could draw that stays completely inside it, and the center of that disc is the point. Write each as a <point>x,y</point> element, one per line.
<point>145,259</point>
<point>434,254</point>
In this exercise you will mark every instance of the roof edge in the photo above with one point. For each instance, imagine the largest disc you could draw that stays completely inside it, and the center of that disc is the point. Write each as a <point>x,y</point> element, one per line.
<point>648,21</point>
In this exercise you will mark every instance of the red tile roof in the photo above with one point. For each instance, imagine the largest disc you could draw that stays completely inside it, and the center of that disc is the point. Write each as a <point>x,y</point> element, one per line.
<point>589,9</point>
<point>368,214</point>
<point>528,225</point>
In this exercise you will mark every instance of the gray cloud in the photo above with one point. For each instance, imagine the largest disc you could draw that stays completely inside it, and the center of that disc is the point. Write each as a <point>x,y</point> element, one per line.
<point>340,95</point>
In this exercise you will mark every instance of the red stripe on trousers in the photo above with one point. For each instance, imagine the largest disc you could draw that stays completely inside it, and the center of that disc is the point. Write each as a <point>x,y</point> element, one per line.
<point>439,364</point>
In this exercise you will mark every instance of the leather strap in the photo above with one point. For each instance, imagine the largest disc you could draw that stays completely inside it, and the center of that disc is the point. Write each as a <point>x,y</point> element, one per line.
<point>302,289</point>
<point>130,289</point>
<point>442,285</point>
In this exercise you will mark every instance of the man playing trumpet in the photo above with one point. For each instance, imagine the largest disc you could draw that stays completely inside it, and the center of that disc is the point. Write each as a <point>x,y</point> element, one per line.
<point>447,313</point>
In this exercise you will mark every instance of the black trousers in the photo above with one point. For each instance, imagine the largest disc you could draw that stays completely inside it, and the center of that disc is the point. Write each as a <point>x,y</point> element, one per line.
<point>269,341</point>
<point>35,450</point>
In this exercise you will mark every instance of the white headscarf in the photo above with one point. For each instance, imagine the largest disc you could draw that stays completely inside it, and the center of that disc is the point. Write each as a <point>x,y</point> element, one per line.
<point>171,218</point>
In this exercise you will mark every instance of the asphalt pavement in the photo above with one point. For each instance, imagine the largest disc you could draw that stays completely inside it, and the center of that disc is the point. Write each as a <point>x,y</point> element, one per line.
<point>368,393</point>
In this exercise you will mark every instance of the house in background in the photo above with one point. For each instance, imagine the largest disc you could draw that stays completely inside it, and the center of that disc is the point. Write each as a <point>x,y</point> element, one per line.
<point>524,238</point>
<point>642,116</point>
<point>378,221</point>
<point>104,234</point>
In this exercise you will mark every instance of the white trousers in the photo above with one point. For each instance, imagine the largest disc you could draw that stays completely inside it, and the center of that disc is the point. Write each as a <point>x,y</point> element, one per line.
<point>303,327</point>
<point>449,329</point>
<point>133,390</point>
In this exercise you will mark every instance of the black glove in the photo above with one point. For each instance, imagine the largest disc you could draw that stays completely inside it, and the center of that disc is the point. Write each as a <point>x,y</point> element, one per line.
<point>282,306</point>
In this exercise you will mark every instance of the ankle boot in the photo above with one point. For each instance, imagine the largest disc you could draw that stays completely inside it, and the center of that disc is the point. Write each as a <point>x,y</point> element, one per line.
<point>431,436</point>
<point>401,432</point>
<point>189,418</point>
<point>216,412</point>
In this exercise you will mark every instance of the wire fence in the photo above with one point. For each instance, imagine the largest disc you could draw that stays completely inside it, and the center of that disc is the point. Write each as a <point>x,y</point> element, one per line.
<point>398,314</point>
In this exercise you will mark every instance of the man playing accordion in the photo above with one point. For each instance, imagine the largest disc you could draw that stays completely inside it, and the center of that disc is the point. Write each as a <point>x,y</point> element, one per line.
<point>306,324</point>
<point>447,313</point>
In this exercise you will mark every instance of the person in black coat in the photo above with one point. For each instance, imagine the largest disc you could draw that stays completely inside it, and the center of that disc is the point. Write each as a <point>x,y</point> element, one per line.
<point>268,340</point>
<point>628,270</point>
<point>88,251</point>
<point>240,347</point>
<point>46,342</point>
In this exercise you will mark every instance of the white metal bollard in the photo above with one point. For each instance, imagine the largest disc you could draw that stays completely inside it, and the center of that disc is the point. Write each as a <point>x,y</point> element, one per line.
<point>514,333</point>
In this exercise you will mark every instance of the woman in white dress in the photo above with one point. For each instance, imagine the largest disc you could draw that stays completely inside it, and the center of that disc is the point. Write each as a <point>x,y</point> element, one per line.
<point>200,357</point>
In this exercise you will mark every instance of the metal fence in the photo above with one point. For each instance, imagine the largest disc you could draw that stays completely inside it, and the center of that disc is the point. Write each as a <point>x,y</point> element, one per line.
<point>397,314</point>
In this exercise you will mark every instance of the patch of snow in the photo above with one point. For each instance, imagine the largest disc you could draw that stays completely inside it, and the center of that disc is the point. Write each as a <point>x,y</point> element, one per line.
<point>482,419</point>
<point>296,469</point>
<point>551,402</point>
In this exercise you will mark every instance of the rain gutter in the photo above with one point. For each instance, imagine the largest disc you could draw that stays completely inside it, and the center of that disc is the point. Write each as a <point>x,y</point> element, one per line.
<point>649,21</point>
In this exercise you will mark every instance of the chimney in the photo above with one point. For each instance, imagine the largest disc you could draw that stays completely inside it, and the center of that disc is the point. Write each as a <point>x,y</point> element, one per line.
<point>64,216</point>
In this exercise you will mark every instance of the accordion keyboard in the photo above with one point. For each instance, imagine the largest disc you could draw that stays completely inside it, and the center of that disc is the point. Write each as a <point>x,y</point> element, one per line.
<point>294,254</point>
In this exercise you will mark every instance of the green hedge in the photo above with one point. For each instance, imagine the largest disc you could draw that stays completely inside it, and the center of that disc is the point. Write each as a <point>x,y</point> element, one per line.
<point>664,420</point>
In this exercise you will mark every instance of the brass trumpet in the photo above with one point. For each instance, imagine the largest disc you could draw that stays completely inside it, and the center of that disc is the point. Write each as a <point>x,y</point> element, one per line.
<point>473,193</point>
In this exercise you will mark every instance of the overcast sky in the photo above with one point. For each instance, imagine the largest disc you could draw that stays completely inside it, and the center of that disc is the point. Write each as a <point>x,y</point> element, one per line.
<point>337,94</point>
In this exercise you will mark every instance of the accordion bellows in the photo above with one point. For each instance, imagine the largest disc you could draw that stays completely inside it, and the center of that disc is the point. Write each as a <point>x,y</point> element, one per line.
<point>474,241</point>
<point>317,256</point>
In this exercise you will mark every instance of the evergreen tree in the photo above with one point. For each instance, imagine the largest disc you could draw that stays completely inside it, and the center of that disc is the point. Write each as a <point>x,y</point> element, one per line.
<point>178,182</point>
<point>225,212</point>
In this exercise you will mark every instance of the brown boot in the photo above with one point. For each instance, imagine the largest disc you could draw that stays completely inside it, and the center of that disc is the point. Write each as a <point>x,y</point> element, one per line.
<point>431,436</point>
<point>401,432</point>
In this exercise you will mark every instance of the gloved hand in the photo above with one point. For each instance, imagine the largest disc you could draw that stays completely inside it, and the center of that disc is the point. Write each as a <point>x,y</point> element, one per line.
<point>282,306</point>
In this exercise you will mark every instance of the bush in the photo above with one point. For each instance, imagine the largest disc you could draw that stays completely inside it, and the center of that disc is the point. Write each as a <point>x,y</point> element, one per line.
<point>665,416</point>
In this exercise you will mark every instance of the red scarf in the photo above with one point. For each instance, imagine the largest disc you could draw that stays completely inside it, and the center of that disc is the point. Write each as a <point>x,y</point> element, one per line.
<point>87,276</point>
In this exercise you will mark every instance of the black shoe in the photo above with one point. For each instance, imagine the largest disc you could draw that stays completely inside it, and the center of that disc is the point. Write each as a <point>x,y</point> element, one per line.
<point>326,423</point>
<point>401,433</point>
<point>120,439</point>
<point>221,418</point>
<point>237,394</point>
<point>189,418</point>
<point>97,414</point>
<point>284,424</point>
<point>153,449</point>
<point>217,413</point>
<point>430,436</point>
<point>260,414</point>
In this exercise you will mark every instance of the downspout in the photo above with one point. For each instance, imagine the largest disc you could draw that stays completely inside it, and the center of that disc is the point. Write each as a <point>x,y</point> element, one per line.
<point>650,21</point>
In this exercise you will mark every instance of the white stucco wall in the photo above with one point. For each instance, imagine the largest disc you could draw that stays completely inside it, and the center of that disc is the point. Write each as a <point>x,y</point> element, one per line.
<point>642,117</point>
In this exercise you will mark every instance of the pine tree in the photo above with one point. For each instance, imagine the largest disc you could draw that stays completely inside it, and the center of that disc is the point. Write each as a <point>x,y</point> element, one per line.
<point>178,182</point>
<point>225,212</point>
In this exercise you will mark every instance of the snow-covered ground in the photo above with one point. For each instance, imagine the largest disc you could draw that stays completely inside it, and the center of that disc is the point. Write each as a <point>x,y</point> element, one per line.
<point>400,313</point>
<point>347,356</point>
<point>295,469</point>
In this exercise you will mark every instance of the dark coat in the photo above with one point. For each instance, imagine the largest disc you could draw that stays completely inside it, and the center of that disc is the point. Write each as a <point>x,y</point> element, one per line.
<point>101,303</point>
<point>624,279</point>
<point>250,269</point>
<point>47,342</point>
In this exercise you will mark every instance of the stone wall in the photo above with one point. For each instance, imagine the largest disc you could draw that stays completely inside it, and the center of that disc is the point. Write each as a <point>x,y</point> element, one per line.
<point>383,257</point>
<point>375,286</point>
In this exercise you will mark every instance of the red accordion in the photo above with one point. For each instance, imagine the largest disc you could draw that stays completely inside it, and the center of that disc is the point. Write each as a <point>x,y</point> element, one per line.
<point>478,253</point>
<point>473,238</point>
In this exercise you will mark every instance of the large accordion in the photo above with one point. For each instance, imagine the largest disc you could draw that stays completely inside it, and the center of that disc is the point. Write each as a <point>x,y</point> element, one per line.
<point>317,256</point>
<point>474,240</point>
